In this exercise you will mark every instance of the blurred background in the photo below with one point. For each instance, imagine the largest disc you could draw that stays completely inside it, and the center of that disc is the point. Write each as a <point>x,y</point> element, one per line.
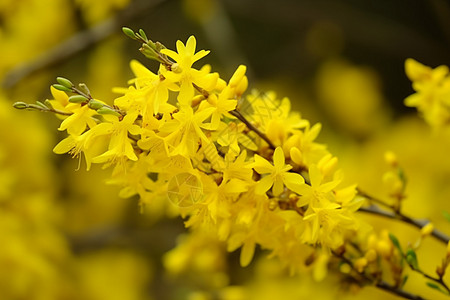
<point>65,234</point>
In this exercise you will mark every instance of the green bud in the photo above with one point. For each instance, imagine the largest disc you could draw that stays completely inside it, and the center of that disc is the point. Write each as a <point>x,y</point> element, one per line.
<point>42,105</point>
<point>83,87</point>
<point>20,105</point>
<point>129,32</point>
<point>108,111</point>
<point>143,35</point>
<point>158,46</point>
<point>61,87</point>
<point>149,52</point>
<point>48,103</point>
<point>78,99</point>
<point>411,258</point>
<point>65,82</point>
<point>95,105</point>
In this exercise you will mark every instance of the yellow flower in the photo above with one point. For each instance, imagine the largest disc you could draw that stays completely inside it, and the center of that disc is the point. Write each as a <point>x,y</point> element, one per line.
<point>432,88</point>
<point>183,73</point>
<point>81,119</point>
<point>185,131</point>
<point>319,191</point>
<point>278,174</point>
<point>150,95</point>
<point>308,151</point>
<point>326,225</point>
<point>75,144</point>
<point>221,104</point>
<point>60,101</point>
<point>120,147</point>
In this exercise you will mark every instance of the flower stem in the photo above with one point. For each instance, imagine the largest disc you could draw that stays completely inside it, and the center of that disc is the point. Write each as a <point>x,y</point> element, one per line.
<point>250,126</point>
<point>397,215</point>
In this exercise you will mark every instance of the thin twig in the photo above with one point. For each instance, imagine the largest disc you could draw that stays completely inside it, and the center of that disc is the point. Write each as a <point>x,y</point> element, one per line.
<point>27,106</point>
<point>78,42</point>
<point>379,283</point>
<point>399,292</point>
<point>250,126</point>
<point>374,209</point>
<point>438,280</point>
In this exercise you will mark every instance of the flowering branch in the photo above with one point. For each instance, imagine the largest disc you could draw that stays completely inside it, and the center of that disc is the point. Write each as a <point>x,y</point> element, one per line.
<point>381,284</point>
<point>246,192</point>
<point>396,215</point>
<point>40,106</point>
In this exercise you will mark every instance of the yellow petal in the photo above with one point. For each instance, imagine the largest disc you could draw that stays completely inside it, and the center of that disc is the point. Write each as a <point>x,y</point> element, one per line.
<point>261,165</point>
<point>263,185</point>
<point>247,252</point>
<point>278,157</point>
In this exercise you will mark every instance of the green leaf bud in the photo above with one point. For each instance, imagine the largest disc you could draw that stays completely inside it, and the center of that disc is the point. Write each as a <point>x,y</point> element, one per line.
<point>143,35</point>
<point>20,105</point>
<point>411,258</point>
<point>61,87</point>
<point>149,52</point>
<point>78,99</point>
<point>95,105</point>
<point>65,82</point>
<point>42,105</point>
<point>83,87</point>
<point>108,111</point>
<point>48,104</point>
<point>129,32</point>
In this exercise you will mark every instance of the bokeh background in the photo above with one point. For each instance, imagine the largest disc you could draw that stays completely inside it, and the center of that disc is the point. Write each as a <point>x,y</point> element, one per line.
<point>65,233</point>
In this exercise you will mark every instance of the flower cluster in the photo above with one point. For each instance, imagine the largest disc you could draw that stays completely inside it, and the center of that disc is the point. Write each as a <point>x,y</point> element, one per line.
<point>242,170</point>
<point>432,91</point>
<point>232,165</point>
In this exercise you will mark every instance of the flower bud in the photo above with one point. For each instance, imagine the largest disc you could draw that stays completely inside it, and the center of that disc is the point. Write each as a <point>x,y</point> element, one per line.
<point>65,82</point>
<point>149,52</point>
<point>20,105</point>
<point>371,255</point>
<point>427,229</point>
<point>95,105</point>
<point>48,103</point>
<point>143,35</point>
<point>83,87</point>
<point>78,99</point>
<point>129,32</point>
<point>108,111</point>
<point>440,271</point>
<point>390,158</point>
<point>176,68</point>
<point>384,248</point>
<point>238,76</point>
<point>61,87</point>
<point>360,264</point>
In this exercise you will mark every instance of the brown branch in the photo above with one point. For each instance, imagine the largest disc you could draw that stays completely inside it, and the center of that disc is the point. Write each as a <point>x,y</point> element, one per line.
<point>398,292</point>
<point>397,215</point>
<point>383,285</point>
<point>250,126</point>
<point>78,42</point>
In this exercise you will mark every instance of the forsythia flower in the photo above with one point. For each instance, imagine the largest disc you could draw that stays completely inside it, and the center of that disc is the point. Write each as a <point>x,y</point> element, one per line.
<point>279,175</point>
<point>183,73</point>
<point>208,157</point>
<point>432,87</point>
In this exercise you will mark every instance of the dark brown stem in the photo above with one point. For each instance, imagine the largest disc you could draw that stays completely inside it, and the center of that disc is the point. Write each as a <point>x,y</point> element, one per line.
<point>250,126</point>
<point>397,215</point>
<point>379,283</point>
<point>398,292</point>
<point>438,280</point>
